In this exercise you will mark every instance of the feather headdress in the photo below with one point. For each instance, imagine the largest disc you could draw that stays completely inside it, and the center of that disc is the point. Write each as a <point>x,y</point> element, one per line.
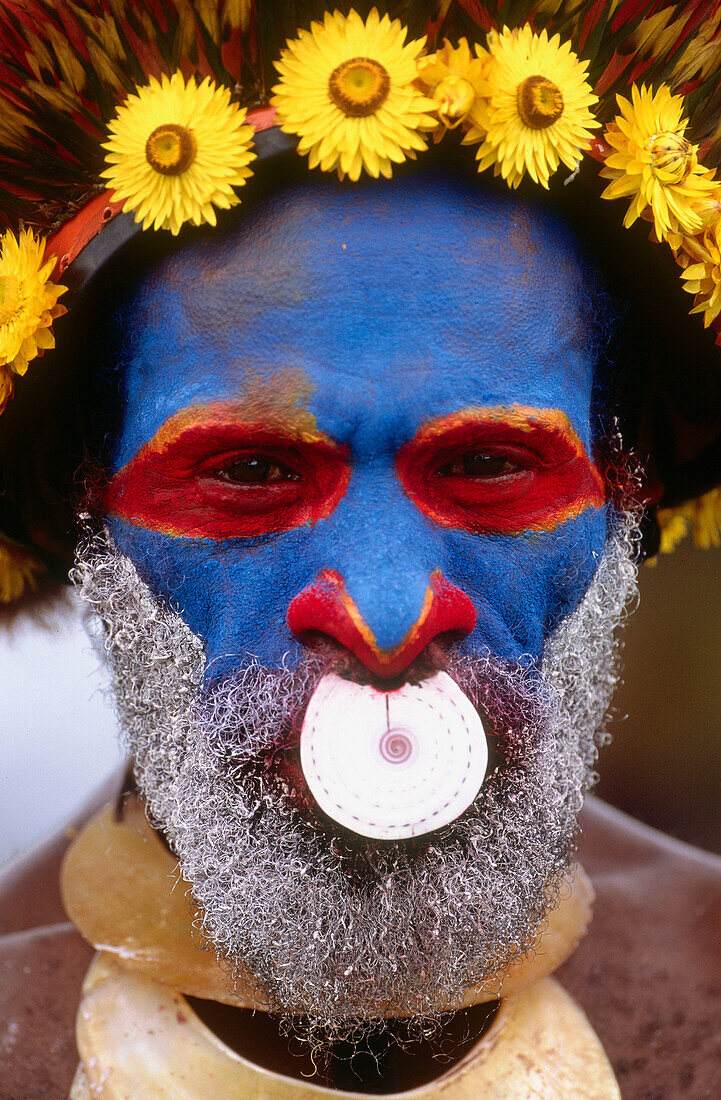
<point>66,65</point>
<point>154,106</point>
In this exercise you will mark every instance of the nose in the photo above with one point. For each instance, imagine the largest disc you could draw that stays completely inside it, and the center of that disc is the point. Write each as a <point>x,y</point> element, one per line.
<point>326,607</point>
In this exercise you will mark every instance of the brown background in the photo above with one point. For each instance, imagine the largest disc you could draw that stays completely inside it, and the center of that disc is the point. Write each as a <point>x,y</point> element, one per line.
<point>664,764</point>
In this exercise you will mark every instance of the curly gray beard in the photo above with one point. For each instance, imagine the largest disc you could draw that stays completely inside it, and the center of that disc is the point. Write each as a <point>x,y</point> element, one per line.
<point>346,932</point>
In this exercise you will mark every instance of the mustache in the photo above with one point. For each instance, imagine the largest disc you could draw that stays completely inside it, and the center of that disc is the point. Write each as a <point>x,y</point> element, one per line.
<point>341,661</point>
<point>230,708</point>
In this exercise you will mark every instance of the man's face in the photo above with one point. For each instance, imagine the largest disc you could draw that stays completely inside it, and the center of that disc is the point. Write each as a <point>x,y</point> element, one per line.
<point>357,439</point>
<point>383,386</point>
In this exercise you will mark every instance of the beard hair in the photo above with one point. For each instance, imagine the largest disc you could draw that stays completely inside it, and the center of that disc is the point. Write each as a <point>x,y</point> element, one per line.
<point>344,934</point>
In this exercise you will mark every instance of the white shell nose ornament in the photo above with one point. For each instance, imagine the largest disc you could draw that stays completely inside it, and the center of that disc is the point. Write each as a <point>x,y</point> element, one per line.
<point>392,764</point>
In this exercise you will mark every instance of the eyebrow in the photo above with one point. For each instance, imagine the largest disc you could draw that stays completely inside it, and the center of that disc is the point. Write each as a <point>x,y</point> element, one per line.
<point>524,419</point>
<point>280,399</point>
<point>220,416</point>
<point>275,410</point>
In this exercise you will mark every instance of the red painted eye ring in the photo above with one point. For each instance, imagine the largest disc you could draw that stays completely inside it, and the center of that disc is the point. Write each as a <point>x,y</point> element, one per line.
<point>557,479</point>
<point>170,488</point>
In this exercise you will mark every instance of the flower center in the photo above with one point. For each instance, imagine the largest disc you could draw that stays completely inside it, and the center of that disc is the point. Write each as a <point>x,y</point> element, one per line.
<point>539,102</point>
<point>672,156</point>
<point>455,96</point>
<point>9,298</point>
<point>359,86</point>
<point>171,149</point>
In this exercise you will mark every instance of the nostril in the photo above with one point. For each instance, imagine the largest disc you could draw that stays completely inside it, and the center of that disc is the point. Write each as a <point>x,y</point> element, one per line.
<point>326,647</point>
<point>455,615</point>
<point>324,617</point>
<point>322,611</point>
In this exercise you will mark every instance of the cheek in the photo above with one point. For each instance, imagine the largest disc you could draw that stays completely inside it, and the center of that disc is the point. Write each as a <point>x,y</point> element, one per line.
<point>523,586</point>
<point>234,596</point>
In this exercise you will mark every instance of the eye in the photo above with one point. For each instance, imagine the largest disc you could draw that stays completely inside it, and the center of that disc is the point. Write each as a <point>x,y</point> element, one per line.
<point>257,470</point>
<point>234,479</point>
<point>479,464</point>
<point>500,474</point>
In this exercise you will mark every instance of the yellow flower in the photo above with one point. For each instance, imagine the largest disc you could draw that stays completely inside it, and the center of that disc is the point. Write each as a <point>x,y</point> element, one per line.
<point>701,259</point>
<point>708,209</point>
<point>673,529</point>
<point>177,151</point>
<point>702,517</point>
<point>655,164</point>
<point>456,82</point>
<point>18,572</point>
<point>538,113</point>
<point>346,88</point>
<point>28,305</point>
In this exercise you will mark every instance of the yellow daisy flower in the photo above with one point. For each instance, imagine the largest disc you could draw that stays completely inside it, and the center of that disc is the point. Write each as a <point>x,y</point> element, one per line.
<point>653,163</point>
<point>346,89</point>
<point>28,305</point>
<point>701,260</point>
<point>456,81</point>
<point>538,113</point>
<point>18,572</point>
<point>176,152</point>
<point>708,209</point>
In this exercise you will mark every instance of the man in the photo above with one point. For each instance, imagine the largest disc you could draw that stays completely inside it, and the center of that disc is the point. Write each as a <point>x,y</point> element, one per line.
<point>359,527</point>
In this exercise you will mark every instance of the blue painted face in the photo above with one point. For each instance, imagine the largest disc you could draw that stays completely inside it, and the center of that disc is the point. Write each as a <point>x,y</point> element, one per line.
<point>369,407</point>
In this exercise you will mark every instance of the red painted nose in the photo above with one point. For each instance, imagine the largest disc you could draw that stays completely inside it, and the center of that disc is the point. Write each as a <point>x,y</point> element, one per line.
<point>325,607</point>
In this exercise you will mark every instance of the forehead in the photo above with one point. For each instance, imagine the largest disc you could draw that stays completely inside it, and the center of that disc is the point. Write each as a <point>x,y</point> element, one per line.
<point>406,300</point>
